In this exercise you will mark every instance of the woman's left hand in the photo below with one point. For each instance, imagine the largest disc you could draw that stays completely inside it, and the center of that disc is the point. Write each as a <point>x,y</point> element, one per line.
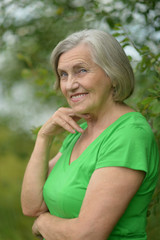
<point>35,230</point>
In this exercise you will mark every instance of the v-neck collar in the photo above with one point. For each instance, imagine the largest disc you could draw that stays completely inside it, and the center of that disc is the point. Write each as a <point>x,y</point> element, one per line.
<point>97,138</point>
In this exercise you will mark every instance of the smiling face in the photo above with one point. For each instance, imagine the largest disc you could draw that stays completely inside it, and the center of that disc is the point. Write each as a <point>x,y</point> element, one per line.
<point>84,84</point>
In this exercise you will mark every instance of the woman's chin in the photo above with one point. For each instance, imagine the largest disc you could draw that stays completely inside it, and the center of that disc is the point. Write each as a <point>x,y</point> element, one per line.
<point>79,112</point>
<point>83,114</point>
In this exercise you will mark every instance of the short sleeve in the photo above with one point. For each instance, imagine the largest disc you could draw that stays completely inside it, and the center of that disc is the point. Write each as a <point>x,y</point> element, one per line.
<point>126,147</point>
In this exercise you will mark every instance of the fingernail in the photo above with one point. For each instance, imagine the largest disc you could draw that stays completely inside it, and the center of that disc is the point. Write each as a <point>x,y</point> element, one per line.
<point>81,130</point>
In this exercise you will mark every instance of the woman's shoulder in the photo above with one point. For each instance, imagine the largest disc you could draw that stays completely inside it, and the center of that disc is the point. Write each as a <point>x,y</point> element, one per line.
<point>130,127</point>
<point>133,122</point>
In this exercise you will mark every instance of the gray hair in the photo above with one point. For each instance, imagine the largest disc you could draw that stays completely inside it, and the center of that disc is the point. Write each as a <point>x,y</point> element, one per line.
<point>107,53</point>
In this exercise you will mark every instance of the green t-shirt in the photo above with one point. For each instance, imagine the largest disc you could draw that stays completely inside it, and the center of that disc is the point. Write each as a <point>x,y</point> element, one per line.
<point>128,142</point>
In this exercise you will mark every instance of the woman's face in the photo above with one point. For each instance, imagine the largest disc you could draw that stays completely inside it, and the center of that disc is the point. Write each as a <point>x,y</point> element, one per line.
<point>84,84</point>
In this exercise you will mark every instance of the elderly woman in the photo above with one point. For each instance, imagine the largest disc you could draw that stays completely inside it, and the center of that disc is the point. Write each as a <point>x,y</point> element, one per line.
<point>101,181</point>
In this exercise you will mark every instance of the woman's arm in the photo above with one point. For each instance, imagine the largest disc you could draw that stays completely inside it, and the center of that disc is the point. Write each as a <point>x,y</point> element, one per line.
<point>38,168</point>
<point>35,176</point>
<point>108,194</point>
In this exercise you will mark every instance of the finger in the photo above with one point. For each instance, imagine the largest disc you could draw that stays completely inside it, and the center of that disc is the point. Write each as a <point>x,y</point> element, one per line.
<point>69,121</point>
<point>66,126</point>
<point>74,115</point>
<point>78,116</point>
<point>84,116</point>
<point>71,113</point>
<point>75,118</point>
<point>64,122</point>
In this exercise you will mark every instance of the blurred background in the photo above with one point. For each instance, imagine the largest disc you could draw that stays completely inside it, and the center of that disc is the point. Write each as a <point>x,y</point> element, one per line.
<point>29,30</point>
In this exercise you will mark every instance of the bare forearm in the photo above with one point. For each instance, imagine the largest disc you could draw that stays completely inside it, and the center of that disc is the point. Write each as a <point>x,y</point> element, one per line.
<point>35,176</point>
<point>55,228</point>
<point>37,169</point>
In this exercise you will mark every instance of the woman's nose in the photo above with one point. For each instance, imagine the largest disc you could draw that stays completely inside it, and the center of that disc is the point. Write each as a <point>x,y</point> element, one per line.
<point>72,84</point>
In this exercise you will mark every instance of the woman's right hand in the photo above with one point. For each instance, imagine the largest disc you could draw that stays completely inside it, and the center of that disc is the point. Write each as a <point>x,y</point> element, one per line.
<point>63,119</point>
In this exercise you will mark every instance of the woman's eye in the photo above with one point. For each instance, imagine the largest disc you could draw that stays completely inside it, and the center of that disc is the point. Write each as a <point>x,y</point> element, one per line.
<point>63,74</point>
<point>83,70</point>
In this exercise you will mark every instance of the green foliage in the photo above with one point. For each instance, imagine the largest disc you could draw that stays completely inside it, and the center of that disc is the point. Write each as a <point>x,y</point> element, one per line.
<point>15,151</point>
<point>29,31</point>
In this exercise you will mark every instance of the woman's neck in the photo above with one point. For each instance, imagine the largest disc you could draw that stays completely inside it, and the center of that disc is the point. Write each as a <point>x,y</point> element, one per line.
<point>102,120</point>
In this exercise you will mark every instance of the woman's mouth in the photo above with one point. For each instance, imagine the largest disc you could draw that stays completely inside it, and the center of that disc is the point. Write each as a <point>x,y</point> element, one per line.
<point>79,96</point>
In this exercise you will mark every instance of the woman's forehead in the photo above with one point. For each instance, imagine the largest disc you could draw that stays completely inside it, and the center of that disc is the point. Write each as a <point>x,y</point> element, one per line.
<point>79,55</point>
